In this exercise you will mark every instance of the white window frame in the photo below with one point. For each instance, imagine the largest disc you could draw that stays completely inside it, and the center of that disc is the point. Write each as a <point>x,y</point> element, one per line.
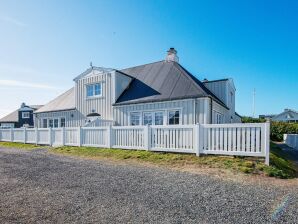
<point>164,112</point>
<point>53,120</point>
<point>27,113</point>
<point>93,90</point>
<point>180,116</point>
<point>140,118</point>
<point>42,123</point>
<point>60,122</point>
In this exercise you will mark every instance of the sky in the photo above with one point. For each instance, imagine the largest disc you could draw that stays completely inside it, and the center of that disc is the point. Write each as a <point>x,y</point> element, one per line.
<point>45,44</point>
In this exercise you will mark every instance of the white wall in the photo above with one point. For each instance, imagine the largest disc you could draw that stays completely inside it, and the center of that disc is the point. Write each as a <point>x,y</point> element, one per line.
<point>73,118</point>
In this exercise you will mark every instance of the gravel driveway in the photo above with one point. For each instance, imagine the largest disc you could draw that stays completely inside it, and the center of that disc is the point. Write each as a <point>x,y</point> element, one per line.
<point>37,187</point>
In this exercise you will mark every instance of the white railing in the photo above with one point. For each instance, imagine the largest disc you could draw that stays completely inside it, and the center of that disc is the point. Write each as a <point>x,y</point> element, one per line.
<point>176,138</point>
<point>291,140</point>
<point>222,139</point>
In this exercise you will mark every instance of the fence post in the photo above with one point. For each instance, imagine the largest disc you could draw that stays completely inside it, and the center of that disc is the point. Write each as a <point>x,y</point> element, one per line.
<point>63,136</point>
<point>285,138</point>
<point>36,136</point>
<point>267,142</point>
<point>109,137</point>
<point>11,134</point>
<point>50,136</point>
<point>147,137</point>
<point>197,132</point>
<point>25,135</point>
<point>79,136</point>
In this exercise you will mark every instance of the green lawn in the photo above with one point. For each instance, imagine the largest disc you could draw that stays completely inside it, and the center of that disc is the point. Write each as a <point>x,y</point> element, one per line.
<point>280,165</point>
<point>19,145</point>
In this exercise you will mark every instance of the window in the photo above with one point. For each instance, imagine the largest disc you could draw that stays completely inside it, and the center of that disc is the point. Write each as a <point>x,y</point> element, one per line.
<point>25,114</point>
<point>51,123</point>
<point>158,118</point>
<point>93,90</point>
<point>135,118</point>
<point>218,118</point>
<point>174,117</point>
<point>62,122</point>
<point>44,123</point>
<point>56,123</point>
<point>147,118</point>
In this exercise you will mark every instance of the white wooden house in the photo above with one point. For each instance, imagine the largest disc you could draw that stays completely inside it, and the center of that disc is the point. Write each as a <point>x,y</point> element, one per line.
<point>290,116</point>
<point>159,93</point>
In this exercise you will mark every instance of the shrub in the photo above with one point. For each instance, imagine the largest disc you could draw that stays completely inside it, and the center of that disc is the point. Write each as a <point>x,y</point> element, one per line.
<point>252,120</point>
<point>278,129</point>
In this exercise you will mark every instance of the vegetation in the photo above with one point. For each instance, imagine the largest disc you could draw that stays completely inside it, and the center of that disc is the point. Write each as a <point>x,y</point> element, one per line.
<point>278,129</point>
<point>19,145</point>
<point>252,120</point>
<point>279,167</point>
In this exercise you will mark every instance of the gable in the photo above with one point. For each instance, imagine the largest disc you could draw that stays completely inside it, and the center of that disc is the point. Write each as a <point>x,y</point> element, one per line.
<point>93,71</point>
<point>286,115</point>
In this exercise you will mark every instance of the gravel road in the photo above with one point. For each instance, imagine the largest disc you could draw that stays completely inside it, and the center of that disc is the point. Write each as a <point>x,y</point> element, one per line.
<point>37,187</point>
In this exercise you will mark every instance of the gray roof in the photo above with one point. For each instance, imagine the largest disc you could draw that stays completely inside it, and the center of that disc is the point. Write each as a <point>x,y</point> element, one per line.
<point>14,116</point>
<point>65,101</point>
<point>160,81</point>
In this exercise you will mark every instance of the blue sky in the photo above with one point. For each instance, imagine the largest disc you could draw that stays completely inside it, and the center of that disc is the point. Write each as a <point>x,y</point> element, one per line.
<point>45,44</point>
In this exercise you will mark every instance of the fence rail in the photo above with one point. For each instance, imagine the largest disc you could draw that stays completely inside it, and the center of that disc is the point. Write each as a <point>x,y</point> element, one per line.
<point>291,140</point>
<point>222,139</point>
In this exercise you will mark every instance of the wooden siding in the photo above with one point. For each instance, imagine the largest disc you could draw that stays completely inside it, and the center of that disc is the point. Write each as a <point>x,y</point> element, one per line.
<point>73,118</point>
<point>102,104</point>
<point>192,110</point>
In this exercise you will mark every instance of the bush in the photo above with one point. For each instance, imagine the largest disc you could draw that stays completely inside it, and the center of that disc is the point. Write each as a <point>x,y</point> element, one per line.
<point>278,129</point>
<point>252,120</point>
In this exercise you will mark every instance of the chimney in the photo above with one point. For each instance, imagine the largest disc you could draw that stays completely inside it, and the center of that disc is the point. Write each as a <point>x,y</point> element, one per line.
<point>23,105</point>
<point>172,55</point>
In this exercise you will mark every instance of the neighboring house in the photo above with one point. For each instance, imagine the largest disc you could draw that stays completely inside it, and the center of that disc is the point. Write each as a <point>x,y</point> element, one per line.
<point>290,116</point>
<point>158,93</point>
<point>267,116</point>
<point>22,117</point>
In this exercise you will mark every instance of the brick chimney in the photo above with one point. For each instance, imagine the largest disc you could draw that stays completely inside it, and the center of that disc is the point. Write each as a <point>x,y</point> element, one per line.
<point>172,55</point>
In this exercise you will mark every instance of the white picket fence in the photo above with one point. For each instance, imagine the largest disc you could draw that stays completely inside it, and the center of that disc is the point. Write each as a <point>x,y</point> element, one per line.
<point>221,139</point>
<point>291,140</point>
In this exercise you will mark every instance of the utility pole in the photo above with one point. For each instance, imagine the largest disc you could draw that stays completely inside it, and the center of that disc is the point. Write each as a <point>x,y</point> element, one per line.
<point>254,102</point>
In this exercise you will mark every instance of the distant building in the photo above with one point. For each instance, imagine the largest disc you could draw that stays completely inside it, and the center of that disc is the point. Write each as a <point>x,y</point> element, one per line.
<point>267,117</point>
<point>22,117</point>
<point>290,116</point>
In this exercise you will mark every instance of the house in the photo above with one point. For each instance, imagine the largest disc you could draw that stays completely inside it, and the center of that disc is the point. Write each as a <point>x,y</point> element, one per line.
<point>290,116</point>
<point>22,117</point>
<point>158,93</point>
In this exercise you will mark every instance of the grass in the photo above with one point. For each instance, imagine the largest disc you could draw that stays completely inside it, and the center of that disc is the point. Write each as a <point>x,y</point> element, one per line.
<point>280,167</point>
<point>19,145</point>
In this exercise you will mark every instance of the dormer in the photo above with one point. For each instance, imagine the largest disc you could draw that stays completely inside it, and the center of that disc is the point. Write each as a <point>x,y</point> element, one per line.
<point>97,89</point>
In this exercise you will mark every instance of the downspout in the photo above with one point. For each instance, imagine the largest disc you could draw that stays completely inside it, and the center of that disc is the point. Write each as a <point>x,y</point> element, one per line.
<point>211,108</point>
<point>195,111</point>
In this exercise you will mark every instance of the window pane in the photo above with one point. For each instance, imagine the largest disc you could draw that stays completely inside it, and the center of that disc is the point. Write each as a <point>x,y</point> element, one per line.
<point>62,122</point>
<point>26,115</point>
<point>50,123</point>
<point>147,119</point>
<point>97,89</point>
<point>56,122</point>
<point>158,118</point>
<point>174,117</point>
<point>44,123</point>
<point>135,118</point>
<point>90,90</point>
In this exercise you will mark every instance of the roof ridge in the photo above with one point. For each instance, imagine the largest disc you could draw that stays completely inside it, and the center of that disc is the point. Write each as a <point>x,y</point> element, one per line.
<point>199,83</point>
<point>141,65</point>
